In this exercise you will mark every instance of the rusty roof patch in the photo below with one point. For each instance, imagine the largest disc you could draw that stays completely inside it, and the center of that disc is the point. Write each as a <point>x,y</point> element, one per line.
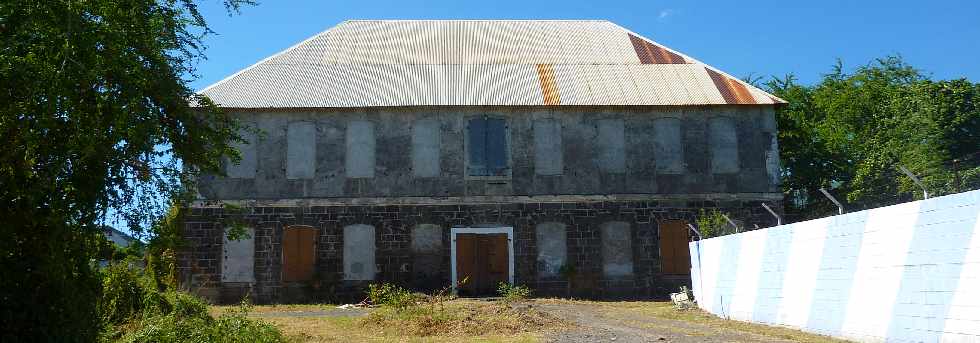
<point>549,90</point>
<point>733,91</point>
<point>649,53</point>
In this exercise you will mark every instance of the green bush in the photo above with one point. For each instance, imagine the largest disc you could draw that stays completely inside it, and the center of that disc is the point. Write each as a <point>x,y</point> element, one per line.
<point>513,292</point>
<point>122,293</point>
<point>713,224</point>
<point>386,294</point>
<point>230,327</point>
<point>134,309</point>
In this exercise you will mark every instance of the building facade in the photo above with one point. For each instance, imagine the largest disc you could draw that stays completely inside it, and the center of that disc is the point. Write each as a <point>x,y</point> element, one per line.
<point>568,156</point>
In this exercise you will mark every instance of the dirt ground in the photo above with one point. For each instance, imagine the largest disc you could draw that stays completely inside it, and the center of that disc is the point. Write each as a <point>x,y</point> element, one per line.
<point>585,321</point>
<point>657,322</point>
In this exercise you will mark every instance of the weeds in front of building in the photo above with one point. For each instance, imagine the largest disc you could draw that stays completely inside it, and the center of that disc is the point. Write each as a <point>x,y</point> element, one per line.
<point>442,314</point>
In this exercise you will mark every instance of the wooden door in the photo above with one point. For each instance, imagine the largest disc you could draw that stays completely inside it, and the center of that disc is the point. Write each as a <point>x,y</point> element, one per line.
<point>483,261</point>
<point>298,253</point>
<point>675,256</point>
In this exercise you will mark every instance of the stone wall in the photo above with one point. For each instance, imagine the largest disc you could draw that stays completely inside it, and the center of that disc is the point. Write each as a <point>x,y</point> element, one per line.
<point>424,264</point>
<point>422,152</point>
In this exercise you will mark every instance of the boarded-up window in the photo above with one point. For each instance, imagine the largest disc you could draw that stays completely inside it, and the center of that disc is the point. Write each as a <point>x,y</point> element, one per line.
<point>723,142</point>
<point>237,264</point>
<point>487,146</point>
<point>617,250</point>
<point>425,148</point>
<point>675,256</point>
<point>611,145</point>
<point>426,239</point>
<point>551,248</point>
<point>669,152</point>
<point>244,169</point>
<point>427,256</point>
<point>300,150</point>
<point>298,253</point>
<point>359,252</point>
<point>360,149</point>
<point>547,147</point>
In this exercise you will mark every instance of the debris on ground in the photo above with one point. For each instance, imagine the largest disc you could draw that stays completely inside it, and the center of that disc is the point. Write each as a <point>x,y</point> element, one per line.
<point>683,300</point>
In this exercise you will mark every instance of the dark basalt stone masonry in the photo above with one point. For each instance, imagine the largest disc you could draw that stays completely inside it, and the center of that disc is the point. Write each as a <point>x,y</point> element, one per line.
<point>200,261</point>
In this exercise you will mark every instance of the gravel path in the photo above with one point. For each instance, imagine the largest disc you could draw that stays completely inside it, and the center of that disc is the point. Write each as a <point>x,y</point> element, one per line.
<point>596,324</point>
<point>353,312</point>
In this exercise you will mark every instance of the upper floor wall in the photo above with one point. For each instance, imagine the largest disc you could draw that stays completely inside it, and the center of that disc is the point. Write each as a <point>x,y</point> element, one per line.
<point>469,151</point>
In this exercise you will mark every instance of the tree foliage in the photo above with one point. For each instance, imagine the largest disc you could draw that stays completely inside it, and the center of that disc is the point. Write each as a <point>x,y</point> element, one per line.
<point>96,117</point>
<point>850,132</point>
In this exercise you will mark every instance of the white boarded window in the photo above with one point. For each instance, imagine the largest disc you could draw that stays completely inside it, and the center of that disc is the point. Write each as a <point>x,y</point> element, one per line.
<point>360,149</point>
<point>617,250</point>
<point>552,252</point>
<point>359,252</point>
<point>244,169</point>
<point>300,150</point>
<point>426,141</point>
<point>611,144</point>
<point>238,258</point>
<point>668,150</point>
<point>723,143</point>
<point>547,147</point>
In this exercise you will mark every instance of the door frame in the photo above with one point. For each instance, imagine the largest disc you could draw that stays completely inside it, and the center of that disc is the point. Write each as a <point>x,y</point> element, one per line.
<point>484,231</point>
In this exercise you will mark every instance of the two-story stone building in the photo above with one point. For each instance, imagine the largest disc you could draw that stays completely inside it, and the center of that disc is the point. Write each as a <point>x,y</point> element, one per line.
<point>564,155</point>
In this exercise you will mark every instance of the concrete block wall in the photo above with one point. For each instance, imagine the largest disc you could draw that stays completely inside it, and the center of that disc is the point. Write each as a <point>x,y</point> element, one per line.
<point>902,273</point>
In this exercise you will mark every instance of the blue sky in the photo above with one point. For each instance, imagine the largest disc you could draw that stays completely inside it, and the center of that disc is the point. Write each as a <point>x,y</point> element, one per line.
<point>760,37</point>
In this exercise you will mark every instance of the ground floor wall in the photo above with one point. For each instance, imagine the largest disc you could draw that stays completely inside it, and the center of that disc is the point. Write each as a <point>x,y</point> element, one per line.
<point>304,251</point>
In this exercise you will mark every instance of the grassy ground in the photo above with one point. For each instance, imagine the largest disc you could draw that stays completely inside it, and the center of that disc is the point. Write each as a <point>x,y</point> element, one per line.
<point>454,321</point>
<point>465,320</point>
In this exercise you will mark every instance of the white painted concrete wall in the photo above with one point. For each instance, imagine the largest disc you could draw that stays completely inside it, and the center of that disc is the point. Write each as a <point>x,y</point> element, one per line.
<point>903,273</point>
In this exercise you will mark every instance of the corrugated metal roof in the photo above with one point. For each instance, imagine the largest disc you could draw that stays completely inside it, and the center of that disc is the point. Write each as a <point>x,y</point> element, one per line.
<point>479,62</point>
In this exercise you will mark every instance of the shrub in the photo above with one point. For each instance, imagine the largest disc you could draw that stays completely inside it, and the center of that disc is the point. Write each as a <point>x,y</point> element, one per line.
<point>122,293</point>
<point>134,309</point>
<point>713,224</point>
<point>513,292</point>
<point>386,294</point>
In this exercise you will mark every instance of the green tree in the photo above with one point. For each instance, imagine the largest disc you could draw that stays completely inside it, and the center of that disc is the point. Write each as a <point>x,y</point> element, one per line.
<point>96,117</point>
<point>851,131</point>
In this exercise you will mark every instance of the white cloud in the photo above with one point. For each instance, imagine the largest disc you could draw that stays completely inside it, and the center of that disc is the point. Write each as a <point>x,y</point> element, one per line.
<point>665,13</point>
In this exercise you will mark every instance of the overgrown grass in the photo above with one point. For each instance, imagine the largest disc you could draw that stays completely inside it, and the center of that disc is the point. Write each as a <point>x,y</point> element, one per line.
<point>134,310</point>
<point>423,315</point>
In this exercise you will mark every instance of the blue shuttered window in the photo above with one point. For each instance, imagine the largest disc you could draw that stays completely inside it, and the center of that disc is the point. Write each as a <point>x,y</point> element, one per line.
<point>487,147</point>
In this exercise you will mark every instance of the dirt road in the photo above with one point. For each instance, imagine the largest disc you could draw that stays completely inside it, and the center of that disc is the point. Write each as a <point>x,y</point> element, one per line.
<point>612,322</point>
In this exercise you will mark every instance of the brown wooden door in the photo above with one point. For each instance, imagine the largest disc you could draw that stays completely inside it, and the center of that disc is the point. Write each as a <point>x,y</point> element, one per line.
<point>482,260</point>
<point>675,256</point>
<point>298,253</point>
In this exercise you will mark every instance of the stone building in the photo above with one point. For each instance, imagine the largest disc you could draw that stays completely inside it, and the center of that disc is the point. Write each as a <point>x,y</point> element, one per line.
<point>563,155</point>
